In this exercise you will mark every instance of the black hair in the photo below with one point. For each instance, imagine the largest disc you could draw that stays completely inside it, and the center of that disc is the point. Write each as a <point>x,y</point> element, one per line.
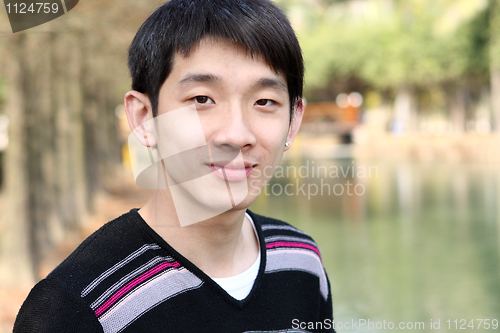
<point>178,25</point>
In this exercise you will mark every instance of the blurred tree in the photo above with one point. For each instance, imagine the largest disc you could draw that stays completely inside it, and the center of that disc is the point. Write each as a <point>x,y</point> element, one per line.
<point>64,80</point>
<point>398,46</point>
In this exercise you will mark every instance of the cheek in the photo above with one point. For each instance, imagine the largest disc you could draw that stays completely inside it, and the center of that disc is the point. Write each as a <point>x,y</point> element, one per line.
<point>273,132</point>
<point>272,140</point>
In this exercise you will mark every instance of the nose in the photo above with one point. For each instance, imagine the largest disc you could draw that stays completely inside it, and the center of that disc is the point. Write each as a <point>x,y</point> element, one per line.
<point>235,128</point>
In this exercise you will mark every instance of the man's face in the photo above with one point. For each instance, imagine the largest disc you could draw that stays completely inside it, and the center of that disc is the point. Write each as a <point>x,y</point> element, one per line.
<point>243,108</point>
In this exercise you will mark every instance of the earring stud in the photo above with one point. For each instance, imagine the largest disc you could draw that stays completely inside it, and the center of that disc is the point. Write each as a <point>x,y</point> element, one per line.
<point>287,144</point>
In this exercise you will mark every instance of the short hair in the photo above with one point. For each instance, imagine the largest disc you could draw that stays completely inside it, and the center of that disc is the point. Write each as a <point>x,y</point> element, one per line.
<point>178,25</point>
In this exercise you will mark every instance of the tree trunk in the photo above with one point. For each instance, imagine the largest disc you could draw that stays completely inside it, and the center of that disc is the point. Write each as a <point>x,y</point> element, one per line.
<point>405,115</point>
<point>90,122</point>
<point>40,147</point>
<point>76,153</point>
<point>457,101</point>
<point>495,98</point>
<point>495,62</point>
<point>17,264</point>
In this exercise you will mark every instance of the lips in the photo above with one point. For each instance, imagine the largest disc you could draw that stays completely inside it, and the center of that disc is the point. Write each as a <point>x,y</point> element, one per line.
<point>231,172</point>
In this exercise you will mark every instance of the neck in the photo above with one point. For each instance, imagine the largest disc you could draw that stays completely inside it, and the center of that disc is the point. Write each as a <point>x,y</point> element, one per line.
<point>222,246</point>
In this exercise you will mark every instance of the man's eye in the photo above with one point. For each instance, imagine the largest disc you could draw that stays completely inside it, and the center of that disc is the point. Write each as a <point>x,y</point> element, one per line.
<point>264,102</point>
<point>203,100</point>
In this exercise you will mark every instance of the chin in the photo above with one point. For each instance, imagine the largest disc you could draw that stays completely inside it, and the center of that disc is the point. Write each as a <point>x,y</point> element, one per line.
<point>203,199</point>
<point>244,204</point>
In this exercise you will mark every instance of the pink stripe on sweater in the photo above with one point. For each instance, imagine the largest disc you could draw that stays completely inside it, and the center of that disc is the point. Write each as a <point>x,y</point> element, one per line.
<point>292,244</point>
<point>132,284</point>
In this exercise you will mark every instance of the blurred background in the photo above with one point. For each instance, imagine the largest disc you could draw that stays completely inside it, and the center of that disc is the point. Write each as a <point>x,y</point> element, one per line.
<point>401,142</point>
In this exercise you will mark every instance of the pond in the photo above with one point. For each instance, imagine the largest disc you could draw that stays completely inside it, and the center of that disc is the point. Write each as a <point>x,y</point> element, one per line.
<point>412,244</point>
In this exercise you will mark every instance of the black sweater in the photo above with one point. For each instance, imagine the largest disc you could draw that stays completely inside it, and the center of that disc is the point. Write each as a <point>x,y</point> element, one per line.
<point>126,278</point>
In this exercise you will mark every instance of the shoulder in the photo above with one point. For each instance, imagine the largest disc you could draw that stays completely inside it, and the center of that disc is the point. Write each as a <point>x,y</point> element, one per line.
<point>113,242</point>
<point>289,249</point>
<point>277,232</point>
<point>269,223</point>
<point>62,293</point>
<point>50,307</point>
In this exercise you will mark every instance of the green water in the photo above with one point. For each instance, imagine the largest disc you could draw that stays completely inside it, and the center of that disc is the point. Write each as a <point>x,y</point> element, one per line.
<point>419,242</point>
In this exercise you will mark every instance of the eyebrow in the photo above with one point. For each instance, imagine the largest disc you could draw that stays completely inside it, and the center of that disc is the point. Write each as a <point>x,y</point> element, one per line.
<point>210,78</point>
<point>199,78</point>
<point>271,83</point>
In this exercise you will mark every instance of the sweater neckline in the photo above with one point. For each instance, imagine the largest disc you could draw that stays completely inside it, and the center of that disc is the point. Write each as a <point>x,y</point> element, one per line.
<point>242,283</point>
<point>202,275</point>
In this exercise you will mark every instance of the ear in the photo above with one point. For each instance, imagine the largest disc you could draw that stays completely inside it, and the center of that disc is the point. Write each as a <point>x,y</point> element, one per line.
<point>139,112</point>
<point>297,115</point>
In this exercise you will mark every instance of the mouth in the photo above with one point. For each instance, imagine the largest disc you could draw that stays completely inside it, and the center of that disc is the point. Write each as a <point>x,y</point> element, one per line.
<point>233,173</point>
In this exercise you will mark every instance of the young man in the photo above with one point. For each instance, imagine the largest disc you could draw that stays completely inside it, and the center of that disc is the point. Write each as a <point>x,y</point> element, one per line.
<point>216,100</point>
